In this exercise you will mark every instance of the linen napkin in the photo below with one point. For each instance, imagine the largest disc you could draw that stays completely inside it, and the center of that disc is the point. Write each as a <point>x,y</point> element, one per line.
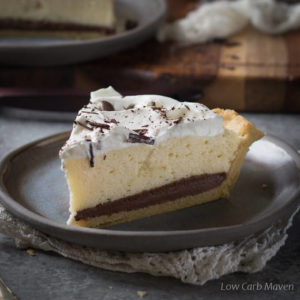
<point>194,266</point>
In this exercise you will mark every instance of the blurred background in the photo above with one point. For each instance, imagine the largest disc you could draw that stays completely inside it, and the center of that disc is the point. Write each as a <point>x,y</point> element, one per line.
<point>249,70</point>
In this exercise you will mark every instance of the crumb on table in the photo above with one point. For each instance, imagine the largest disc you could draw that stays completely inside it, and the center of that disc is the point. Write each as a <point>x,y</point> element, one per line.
<point>30,252</point>
<point>141,294</point>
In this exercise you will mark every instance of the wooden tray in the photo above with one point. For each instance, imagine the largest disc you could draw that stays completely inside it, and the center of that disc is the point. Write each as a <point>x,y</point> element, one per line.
<point>250,71</point>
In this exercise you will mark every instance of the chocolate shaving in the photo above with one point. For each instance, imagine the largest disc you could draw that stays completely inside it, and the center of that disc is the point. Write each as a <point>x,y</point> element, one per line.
<point>141,131</point>
<point>156,108</point>
<point>131,106</point>
<point>95,124</point>
<point>178,120</point>
<point>188,108</point>
<point>91,155</point>
<point>140,138</point>
<point>114,121</point>
<point>83,125</point>
<point>104,157</point>
<point>89,112</point>
<point>106,106</point>
<point>160,110</point>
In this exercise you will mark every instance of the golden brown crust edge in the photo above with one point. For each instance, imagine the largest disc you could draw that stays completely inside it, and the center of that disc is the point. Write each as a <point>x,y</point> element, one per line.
<point>245,129</point>
<point>248,134</point>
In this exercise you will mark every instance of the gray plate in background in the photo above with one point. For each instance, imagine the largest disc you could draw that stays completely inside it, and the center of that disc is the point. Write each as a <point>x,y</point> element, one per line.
<point>46,52</point>
<point>33,188</point>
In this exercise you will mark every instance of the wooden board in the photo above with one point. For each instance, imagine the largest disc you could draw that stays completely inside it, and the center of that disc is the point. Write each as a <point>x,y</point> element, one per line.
<point>250,71</point>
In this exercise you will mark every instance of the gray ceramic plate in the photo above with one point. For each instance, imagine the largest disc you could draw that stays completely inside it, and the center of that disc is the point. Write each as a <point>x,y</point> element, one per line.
<point>33,188</point>
<point>46,52</point>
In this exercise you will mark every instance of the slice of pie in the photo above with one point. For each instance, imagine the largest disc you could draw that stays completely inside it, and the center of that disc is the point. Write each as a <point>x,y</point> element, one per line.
<point>57,18</point>
<point>137,156</point>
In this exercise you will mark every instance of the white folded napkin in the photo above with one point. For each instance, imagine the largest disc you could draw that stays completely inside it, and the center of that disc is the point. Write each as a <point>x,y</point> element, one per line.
<point>221,19</point>
<point>194,266</point>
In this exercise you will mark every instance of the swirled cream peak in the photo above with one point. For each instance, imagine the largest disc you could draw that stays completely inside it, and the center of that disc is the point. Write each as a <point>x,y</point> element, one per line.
<point>111,121</point>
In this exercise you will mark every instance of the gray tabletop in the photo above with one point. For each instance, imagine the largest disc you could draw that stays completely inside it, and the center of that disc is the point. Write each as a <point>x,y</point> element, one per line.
<point>49,276</point>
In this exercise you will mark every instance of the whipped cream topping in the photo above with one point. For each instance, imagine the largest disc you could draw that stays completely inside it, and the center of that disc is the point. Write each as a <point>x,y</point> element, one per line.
<point>111,121</point>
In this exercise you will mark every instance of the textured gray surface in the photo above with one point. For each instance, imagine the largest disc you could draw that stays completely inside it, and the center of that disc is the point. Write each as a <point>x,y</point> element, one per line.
<point>48,276</point>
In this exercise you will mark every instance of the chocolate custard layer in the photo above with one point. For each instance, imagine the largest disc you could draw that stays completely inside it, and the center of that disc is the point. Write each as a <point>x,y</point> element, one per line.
<point>185,187</point>
<point>17,24</point>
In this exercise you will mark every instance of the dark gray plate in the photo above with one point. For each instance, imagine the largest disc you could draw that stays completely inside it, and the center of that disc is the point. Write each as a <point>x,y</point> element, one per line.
<point>46,52</point>
<point>33,187</point>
